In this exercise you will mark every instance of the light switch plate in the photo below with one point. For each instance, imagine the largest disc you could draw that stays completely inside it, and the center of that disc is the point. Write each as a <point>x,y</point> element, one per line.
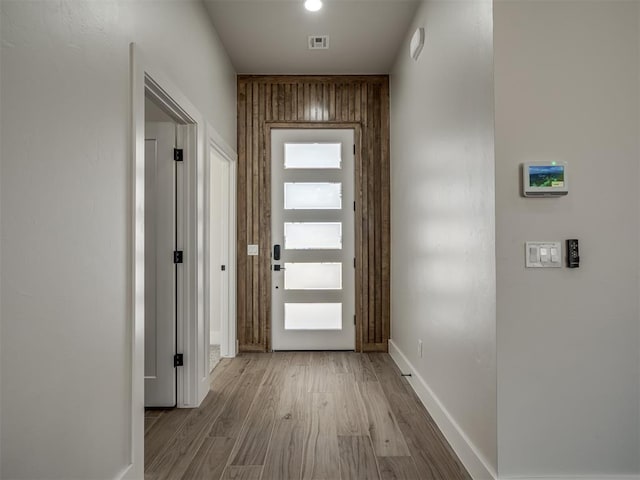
<point>543,254</point>
<point>252,250</point>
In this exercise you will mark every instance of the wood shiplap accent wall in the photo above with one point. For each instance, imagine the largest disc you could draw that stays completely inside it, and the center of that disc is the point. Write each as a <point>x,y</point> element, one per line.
<point>359,102</point>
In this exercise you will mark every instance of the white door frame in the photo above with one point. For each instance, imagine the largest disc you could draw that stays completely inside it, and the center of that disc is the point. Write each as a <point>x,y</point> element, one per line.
<point>148,80</point>
<point>227,325</point>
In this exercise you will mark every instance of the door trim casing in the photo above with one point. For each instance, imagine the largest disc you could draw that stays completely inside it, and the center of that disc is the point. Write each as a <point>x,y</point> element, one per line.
<point>148,79</point>
<point>357,138</point>
<point>228,325</point>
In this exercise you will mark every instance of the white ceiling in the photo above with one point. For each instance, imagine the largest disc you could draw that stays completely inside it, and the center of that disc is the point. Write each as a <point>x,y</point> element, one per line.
<point>270,36</point>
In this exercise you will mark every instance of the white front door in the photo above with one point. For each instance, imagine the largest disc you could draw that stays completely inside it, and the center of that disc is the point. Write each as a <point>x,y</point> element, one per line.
<point>160,270</point>
<point>312,220</point>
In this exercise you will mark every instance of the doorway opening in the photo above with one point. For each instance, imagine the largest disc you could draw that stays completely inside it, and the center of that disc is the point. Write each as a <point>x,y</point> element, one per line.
<point>219,254</point>
<point>162,197</point>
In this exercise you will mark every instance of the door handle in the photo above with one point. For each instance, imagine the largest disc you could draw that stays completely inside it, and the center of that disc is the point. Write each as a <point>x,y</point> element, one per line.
<point>276,252</point>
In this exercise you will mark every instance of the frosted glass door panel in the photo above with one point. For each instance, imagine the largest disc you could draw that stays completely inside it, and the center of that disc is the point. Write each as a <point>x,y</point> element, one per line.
<point>312,155</point>
<point>313,236</point>
<point>313,316</point>
<point>313,276</point>
<point>312,196</point>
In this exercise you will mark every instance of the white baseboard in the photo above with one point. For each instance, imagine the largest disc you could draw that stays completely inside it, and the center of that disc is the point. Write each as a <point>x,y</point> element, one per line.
<point>574,477</point>
<point>473,461</point>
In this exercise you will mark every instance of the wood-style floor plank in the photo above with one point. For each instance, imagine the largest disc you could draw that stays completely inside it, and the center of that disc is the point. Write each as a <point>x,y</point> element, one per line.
<point>235,472</point>
<point>149,422</point>
<point>161,432</point>
<point>232,417</point>
<point>398,468</point>
<point>253,441</point>
<point>321,440</point>
<point>294,393</point>
<point>386,436</point>
<point>361,367</point>
<point>284,455</point>
<point>321,378</point>
<point>357,460</point>
<point>351,417</point>
<point>301,415</point>
<point>210,460</point>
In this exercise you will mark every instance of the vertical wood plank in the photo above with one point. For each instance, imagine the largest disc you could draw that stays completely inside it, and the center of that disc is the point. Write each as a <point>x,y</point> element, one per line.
<point>241,222</point>
<point>274,102</point>
<point>287,102</point>
<point>265,225</point>
<point>385,171</point>
<point>255,217</point>
<point>352,101</point>
<point>364,285</point>
<point>250,293</point>
<point>281,102</point>
<point>332,101</point>
<point>377,179</point>
<point>301,103</point>
<point>306,100</point>
<point>345,103</point>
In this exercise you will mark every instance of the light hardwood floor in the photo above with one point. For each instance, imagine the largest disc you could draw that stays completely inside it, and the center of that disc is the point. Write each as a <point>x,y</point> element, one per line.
<point>302,415</point>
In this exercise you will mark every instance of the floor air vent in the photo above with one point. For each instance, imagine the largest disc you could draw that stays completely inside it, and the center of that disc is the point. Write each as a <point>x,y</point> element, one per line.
<point>319,42</point>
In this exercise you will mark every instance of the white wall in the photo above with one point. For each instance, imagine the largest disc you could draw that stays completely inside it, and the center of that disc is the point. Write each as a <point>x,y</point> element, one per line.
<point>442,197</point>
<point>567,89</point>
<point>65,178</point>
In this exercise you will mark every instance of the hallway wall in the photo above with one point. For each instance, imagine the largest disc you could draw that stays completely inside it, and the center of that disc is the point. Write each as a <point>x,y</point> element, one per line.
<point>567,89</point>
<point>442,246</point>
<point>65,181</point>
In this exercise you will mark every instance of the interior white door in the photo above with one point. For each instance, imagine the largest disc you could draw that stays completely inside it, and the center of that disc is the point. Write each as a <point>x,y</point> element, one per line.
<point>160,271</point>
<point>313,284</point>
<point>219,247</point>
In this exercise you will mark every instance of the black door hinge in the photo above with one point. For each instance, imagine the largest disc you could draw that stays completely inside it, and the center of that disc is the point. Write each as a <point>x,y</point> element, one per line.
<point>223,267</point>
<point>178,360</point>
<point>178,154</point>
<point>354,262</point>
<point>177,256</point>
<point>354,148</point>
<point>354,319</point>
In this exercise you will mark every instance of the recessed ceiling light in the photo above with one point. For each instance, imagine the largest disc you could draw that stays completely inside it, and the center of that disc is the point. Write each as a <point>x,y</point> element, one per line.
<point>313,5</point>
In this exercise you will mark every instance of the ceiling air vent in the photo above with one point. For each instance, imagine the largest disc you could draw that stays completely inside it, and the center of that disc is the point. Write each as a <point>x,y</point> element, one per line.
<point>318,42</point>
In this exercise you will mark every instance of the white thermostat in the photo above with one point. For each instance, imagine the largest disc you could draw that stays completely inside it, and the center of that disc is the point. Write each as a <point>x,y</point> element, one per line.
<point>545,179</point>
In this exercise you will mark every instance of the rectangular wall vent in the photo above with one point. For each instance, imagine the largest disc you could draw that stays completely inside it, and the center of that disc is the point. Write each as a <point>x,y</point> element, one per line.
<point>318,42</point>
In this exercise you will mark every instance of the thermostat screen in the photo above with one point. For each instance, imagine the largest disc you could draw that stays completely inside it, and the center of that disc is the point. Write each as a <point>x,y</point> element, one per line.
<point>546,176</point>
